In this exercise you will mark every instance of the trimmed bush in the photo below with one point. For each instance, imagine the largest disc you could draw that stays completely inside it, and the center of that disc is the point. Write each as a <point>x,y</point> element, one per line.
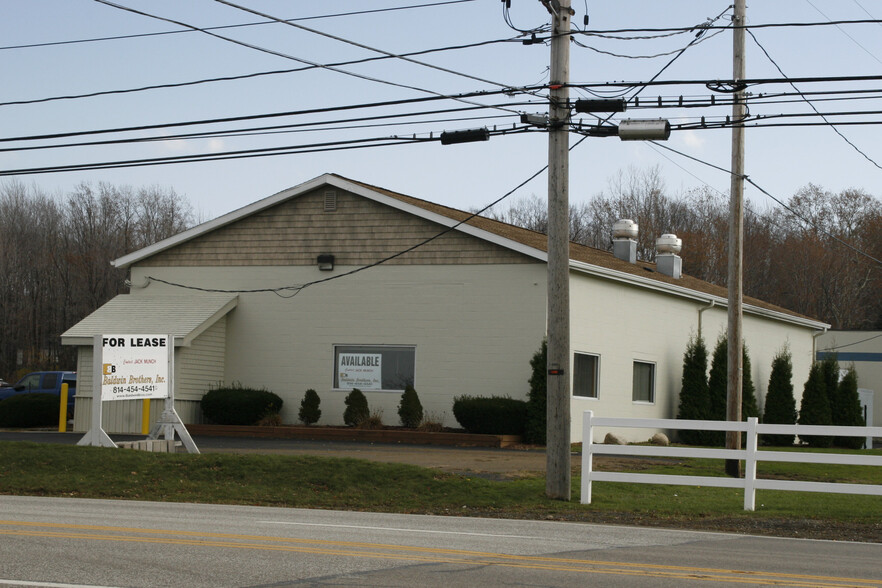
<point>749,406</point>
<point>357,410</point>
<point>410,410</point>
<point>496,415</point>
<point>310,412</point>
<point>717,384</point>
<point>815,406</point>
<point>237,405</point>
<point>537,401</point>
<point>847,410</point>
<point>29,410</point>
<point>780,403</point>
<point>694,392</point>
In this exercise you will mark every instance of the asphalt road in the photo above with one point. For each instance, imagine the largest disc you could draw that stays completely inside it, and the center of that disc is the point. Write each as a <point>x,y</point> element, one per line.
<point>66,543</point>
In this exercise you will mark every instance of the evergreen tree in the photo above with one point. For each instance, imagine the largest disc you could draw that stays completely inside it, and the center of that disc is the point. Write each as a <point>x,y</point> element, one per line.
<point>717,384</point>
<point>830,372</point>
<point>410,410</point>
<point>815,407</point>
<point>537,400</point>
<point>695,401</point>
<point>847,410</point>
<point>748,390</point>
<point>309,408</point>
<point>357,410</point>
<point>780,403</point>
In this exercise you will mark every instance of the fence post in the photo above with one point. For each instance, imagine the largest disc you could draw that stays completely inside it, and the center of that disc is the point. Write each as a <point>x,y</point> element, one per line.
<point>587,443</point>
<point>750,465</point>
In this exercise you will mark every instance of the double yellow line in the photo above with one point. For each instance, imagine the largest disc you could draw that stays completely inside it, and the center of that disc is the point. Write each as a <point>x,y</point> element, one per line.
<point>419,554</point>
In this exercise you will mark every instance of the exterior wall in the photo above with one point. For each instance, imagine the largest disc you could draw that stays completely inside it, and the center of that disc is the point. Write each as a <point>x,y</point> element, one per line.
<point>475,328</point>
<point>358,232</point>
<point>622,323</point>
<point>197,368</point>
<point>863,350</point>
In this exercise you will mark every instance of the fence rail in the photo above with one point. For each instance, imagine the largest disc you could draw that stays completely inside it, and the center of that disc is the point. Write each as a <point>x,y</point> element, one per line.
<point>750,454</point>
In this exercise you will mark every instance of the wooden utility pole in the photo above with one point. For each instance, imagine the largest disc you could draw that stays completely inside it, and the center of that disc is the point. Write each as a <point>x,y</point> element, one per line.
<point>736,243</point>
<point>557,478</point>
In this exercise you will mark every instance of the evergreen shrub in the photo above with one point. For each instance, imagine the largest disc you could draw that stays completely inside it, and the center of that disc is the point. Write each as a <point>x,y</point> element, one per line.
<point>535,430</point>
<point>410,409</point>
<point>310,412</point>
<point>495,415</point>
<point>694,401</point>
<point>357,410</point>
<point>237,405</point>
<point>815,406</point>
<point>780,403</point>
<point>846,410</point>
<point>29,410</point>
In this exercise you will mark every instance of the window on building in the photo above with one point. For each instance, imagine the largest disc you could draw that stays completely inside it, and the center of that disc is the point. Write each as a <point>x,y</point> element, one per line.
<point>374,367</point>
<point>643,387</point>
<point>585,375</point>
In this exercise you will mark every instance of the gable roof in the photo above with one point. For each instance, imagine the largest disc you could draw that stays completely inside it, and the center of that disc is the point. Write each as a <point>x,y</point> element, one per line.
<point>583,259</point>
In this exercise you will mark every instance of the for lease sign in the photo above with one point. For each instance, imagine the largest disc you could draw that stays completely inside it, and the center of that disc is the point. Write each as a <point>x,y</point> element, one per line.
<point>359,370</point>
<point>134,366</point>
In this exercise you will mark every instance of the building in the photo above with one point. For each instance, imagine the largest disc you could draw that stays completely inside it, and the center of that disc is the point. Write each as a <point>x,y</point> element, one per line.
<point>462,313</point>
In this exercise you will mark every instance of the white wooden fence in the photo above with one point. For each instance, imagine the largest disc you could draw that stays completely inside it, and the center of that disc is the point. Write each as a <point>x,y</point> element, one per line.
<point>750,455</point>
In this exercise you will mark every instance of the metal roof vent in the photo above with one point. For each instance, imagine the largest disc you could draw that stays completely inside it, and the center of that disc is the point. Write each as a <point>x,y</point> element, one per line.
<point>667,261</point>
<point>624,240</point>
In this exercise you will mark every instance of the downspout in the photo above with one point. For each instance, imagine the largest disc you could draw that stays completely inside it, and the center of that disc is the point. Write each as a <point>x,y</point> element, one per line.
<point>815,344</point>
<point>701,310</point>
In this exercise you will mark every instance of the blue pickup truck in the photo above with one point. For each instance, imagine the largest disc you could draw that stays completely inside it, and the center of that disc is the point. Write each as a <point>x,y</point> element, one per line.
<point>45,383</point>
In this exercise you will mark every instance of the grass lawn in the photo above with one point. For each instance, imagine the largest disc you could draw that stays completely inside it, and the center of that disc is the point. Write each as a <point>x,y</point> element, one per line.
<point>348,484</point>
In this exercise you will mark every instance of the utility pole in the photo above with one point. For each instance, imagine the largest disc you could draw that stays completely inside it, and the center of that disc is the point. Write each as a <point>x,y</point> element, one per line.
<point>557,478</point>
<point>736,243</point>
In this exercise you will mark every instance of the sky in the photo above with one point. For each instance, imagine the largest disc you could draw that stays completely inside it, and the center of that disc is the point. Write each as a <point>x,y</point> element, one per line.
<point>467,176</point>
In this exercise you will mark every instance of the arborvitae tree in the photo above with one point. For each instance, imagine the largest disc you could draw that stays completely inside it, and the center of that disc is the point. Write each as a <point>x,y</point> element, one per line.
<point>695,403</point>
<point>537,400</point>
<point>357,410</point>
<point>830,373</point>
<point>717,384</point>
<point>780,403</point>
<point>815,408</point>
<point>748,390</point>
<point>309,408</point>
<point>410,409</point>
<point>847,410</point>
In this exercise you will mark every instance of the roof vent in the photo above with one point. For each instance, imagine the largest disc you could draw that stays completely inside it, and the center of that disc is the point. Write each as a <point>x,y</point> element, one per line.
<point>624,240</point>
<point>667,261</point>
<point>330,201</point>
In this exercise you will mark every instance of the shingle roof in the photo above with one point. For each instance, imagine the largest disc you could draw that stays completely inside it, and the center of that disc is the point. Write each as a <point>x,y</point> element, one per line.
<point>185,317</point>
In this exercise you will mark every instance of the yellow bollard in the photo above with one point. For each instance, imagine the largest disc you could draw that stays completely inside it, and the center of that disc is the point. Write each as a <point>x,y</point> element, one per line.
<point>62,411</point>
<point>145,416</point>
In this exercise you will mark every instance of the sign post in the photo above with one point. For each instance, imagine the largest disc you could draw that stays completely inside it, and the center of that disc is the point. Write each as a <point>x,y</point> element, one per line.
<point>132,367</point>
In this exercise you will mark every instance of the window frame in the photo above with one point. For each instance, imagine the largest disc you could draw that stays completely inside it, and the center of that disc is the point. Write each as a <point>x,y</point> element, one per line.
<point>652,385</point>
<point>368,348</point>
<point>596,383</point>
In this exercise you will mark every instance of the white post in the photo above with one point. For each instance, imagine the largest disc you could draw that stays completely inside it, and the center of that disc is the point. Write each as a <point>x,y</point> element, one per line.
<point>587,455</point>
<point>96,436</point>
<point>750,465</point>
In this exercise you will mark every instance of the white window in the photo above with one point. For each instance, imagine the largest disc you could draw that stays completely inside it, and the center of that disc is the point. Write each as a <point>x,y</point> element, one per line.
<point>374,367</point>
<point>585,372</point>
<point>643,387</point>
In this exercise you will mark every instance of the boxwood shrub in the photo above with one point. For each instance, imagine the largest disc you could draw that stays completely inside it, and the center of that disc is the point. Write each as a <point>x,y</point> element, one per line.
<point>237,405</point>
<point>495,415</point>
<point>29,410</point>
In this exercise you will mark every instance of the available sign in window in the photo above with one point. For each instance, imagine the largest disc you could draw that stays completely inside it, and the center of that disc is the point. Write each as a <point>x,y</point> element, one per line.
<point>360,370</point>
<point>134,366</point>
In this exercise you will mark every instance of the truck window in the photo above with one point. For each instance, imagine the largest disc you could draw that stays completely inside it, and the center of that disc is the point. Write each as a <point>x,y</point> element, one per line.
<point>30,382</point>
<point>50,381</point>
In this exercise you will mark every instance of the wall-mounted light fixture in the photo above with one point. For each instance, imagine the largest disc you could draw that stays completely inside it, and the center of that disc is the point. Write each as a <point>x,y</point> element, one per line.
<point>326,262</point>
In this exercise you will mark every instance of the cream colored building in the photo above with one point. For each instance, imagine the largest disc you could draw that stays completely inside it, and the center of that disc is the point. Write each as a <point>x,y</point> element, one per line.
<point>282,293</point>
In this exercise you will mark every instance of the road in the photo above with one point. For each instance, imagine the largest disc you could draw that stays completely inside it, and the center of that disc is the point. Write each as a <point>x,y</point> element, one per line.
<point>66,543</point>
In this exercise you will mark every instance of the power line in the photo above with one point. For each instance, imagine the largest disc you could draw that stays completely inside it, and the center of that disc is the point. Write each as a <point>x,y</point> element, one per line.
<point>276,53</point>
<point>844,32</point>
<point>234,26</point>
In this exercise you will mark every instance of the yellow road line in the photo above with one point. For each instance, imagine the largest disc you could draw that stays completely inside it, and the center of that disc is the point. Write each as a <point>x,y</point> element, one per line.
<point>289,544</point>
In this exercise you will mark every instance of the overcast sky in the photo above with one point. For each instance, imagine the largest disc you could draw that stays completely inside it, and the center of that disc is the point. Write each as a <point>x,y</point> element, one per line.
<point>781,159</point>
